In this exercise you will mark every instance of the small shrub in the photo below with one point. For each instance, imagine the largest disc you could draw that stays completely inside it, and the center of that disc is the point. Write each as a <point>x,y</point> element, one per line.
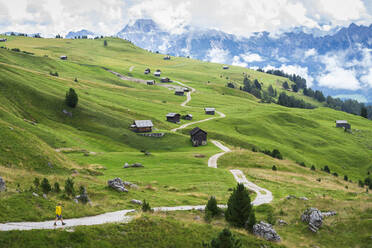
<point>71,98</point>
<point>56,188</point>
<point>271,218</point>
<point>146,206</point>
<point>212,207</point>
<point>302,164</point>
<point>360,183</point>
<point>75,80</point>
<point>326,169</point>
<point>36,183</point>
<point>274,168</point>
<point>83,194</point>
<point>313,168</point>
<point>105,43</point>
<point>346,178</point>
<point>15,49</point>
<point>55,74</point>
<point>45,186</point>
<point>335,174</point>
<point>69,187</point>
<point>225,239</point>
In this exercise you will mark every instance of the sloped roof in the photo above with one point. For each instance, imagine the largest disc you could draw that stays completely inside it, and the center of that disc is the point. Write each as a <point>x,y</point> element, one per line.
<point>196,130</point>
<point>341,122</point>
<point>209,109</point>
<point>172,114</point>
<point>143,123</point>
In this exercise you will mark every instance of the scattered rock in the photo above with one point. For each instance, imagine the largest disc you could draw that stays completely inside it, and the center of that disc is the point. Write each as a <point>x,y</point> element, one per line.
<point>282,222</point>
<point>291,197</point>
<point>2,185</point>
<point>11,128</point>
<point>197,217</point>
<point>303,198</point>
<point>265,231</point>
<point>69,114</point>
<point>117,184</point>
<point>34,194</point>
<point>135,165</point>
<point>45,196</point>
<point>329,213</point>
<point>50,165</point>
<point>76,201</point>
<point>83,197</point>
<point>134,201</point>
<point>313,217</point>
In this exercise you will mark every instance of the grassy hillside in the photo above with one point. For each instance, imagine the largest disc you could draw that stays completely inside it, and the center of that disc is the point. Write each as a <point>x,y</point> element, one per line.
<point>38,140</point>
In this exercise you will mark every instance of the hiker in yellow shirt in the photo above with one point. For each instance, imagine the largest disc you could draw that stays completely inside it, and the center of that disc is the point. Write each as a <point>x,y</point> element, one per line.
<point>59,214</point>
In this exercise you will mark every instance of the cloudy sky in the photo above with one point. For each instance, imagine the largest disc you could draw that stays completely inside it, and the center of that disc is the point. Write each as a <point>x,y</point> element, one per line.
<point>240,17</point>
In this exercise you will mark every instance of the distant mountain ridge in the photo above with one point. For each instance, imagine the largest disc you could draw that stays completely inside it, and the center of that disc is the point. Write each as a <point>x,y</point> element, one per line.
<point>83,32</point>
<point>302,53</point>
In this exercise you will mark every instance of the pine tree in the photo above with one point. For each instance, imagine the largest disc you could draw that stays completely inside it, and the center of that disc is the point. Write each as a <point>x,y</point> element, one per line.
<point>45,186</point>
<point>36,182</point>
<point>326,169</point>
<point>271,91</point>
<point>225,240</point>
<point>313,167</point>
<point>274,168</point>
<point>285,85</point>
<point>146,206</point>
<point>56,189</point>
<point>71,98</point>
<point>239,206</point>
<point>212,207</point>
<point>105,43</point>
<point>346,178</point>
<point>69,187</point>
<point>364,112</point>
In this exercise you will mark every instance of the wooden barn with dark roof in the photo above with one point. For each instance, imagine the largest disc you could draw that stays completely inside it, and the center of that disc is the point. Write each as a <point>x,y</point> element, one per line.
<point>198,137</point>
<point>173,117</point>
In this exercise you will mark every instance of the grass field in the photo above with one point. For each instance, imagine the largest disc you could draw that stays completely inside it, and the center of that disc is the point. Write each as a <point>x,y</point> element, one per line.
<point>38,140</point>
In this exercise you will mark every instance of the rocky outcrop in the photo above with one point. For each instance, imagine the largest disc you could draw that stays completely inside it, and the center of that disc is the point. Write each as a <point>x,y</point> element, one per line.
<point>2,185</point>
<point>282,222</point>
<point>329,213</point>
<point>265,231</point>
<point>131,185</point>
<point>134,201</point>
<point>135,165</point>
<point>117,184</point>
<point>313,217</point>
<point>83,197</point>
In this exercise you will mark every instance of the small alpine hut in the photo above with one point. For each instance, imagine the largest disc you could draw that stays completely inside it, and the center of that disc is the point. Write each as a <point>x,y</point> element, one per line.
<point>225,67</point>
<point>167,57</point>
<point>147,71</point>
<point>157,73</point>
<point>142,126</point>
<point>3,39</point>
<point>179,93</point>
<point>173,117</point>
<point>150,82</point>
<point>165,80</point>
<point>63,57</point>
<point>198,137</point>
<point>186,89</point>
<point>209,111</point>
<point>343,123</point>
<point>187,117</point>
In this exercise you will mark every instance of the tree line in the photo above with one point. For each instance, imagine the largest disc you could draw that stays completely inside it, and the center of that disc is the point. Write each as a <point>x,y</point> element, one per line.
<point>349,106</point>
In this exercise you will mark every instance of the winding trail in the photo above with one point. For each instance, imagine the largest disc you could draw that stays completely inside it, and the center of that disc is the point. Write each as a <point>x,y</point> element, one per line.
<point>263,195</point>
<point>131,68</point>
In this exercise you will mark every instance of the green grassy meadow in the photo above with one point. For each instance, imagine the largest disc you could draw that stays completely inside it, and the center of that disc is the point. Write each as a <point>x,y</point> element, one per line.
<point>38,140</point>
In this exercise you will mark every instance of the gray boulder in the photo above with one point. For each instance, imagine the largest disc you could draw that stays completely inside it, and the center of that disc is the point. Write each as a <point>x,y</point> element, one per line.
<point>313,217</point>
<point>266,231</point>
<point>83,197</point>
<point>137,165</point>
<point>134,201</point>
<point>303,198</point>
<point>126,165</point>
<point>329,213</point>
<point>34,194</point>
<point>282,222</point>
<point>2,185</point>
<point>45,196</point>
<point>117,184</point>
<point>291,197</point>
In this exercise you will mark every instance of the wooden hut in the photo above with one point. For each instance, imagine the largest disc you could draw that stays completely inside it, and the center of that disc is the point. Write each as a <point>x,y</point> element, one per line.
<point>179,93</point>
<point>187,117</point>
<point>142,126</point>
<point>147,71</point>
<point>225,67</point>
<point>167,57</point>
<point>157,74</point>
<point>165,80</point>
<point>343,123</point>
<point>210,111</point>
<point>150,82</point>
<point>3,39</point>
<point>198,137</point>
<point>173,117</point>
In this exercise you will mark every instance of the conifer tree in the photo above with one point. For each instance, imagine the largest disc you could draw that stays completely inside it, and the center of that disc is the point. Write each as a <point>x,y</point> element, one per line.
<point>212,207</point>
<point>45,186</point>
<point>239,206</point>
<point>71,98</point>
<point>225,240</point>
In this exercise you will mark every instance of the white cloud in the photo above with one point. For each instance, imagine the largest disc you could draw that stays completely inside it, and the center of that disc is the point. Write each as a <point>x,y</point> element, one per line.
<point>367,78</point>
<point>237,61</point>
<point>217,55</point>
<point>251,57</point>
<point>4,15</point>
<point>241,17</point>
<point>339,78</point>
<point>310,52</point>
<point>295,69</point>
